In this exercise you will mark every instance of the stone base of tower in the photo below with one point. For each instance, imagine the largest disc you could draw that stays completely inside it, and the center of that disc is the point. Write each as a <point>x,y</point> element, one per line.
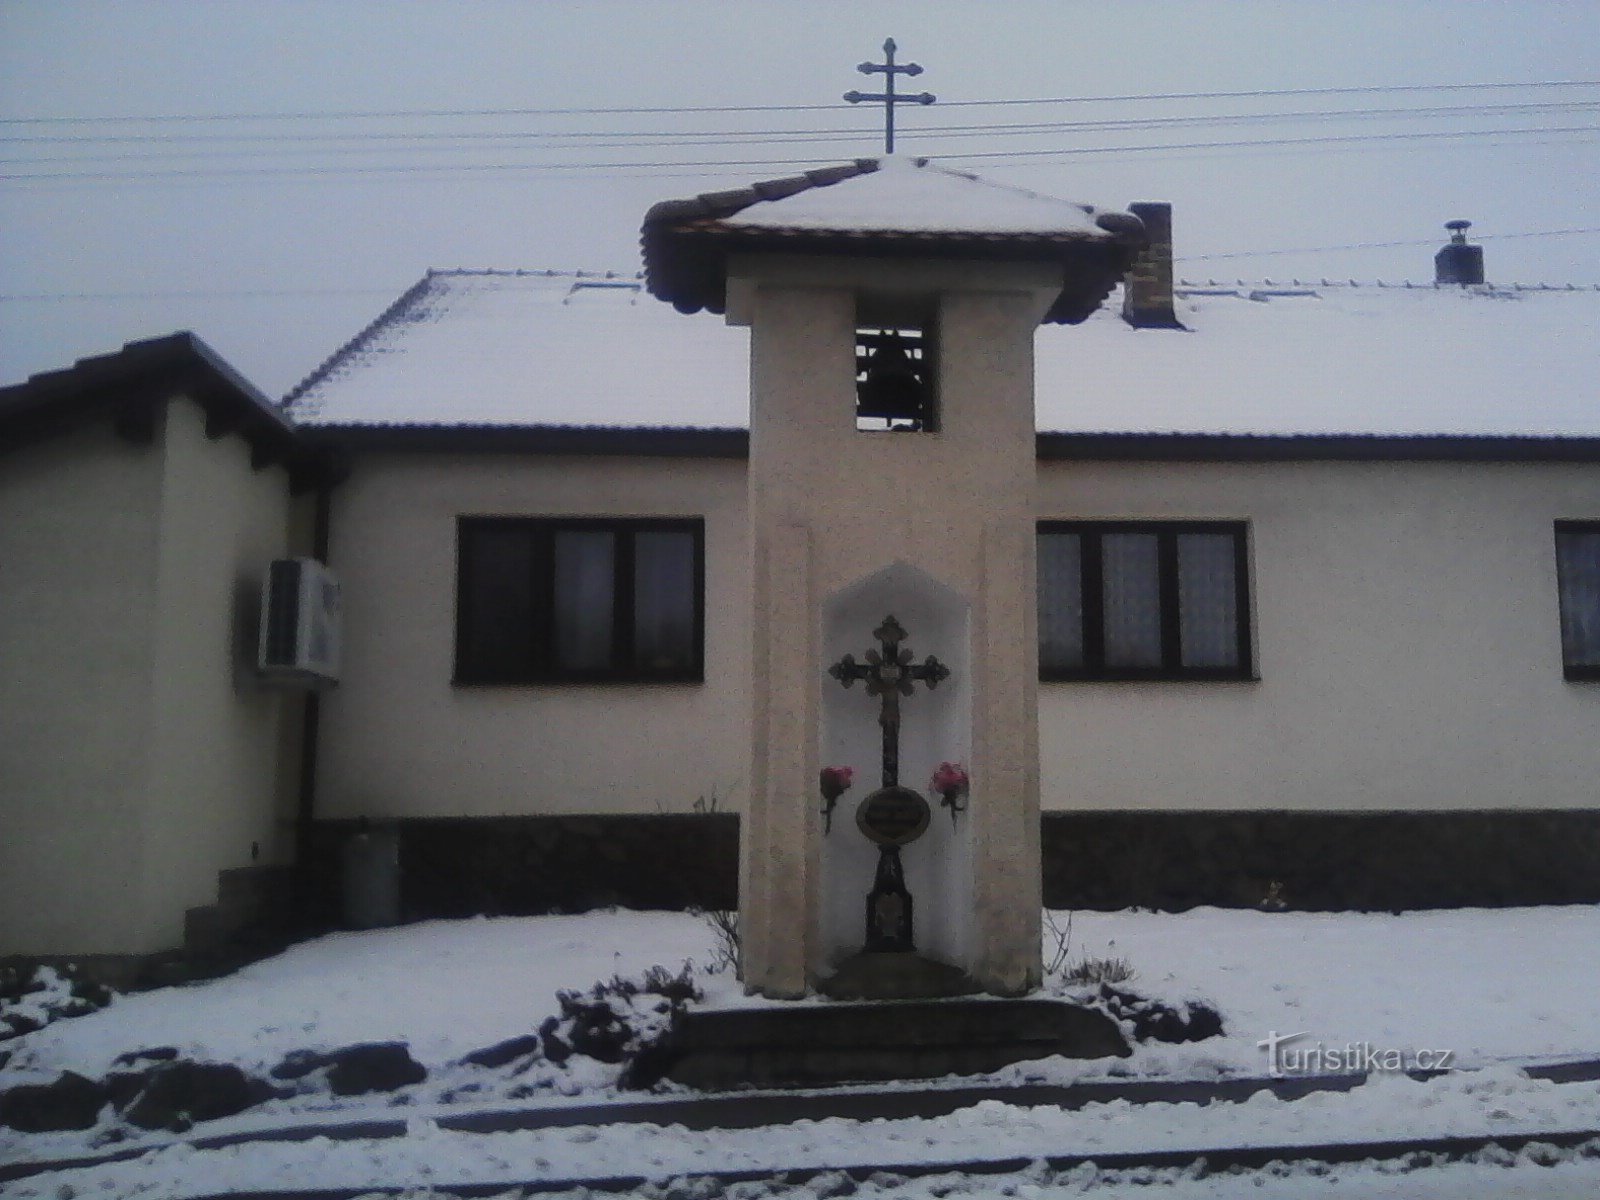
<point>870,976</point>
<point>819,1045</point>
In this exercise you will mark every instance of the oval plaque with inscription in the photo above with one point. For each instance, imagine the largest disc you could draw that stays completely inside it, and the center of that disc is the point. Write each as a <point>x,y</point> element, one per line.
<point>893,816</point>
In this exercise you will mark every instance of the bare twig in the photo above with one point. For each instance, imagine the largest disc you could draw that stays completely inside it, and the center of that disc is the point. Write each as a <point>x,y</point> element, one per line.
<point>1063,941</point>
<point>724,926</point>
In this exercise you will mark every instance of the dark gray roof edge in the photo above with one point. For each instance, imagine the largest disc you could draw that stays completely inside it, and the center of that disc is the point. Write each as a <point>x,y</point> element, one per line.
<point>1315,447</point>
<point>355,344</point>
<point>642,442</point>
<point>147,372</point>
<point>578,275</point>
<point>733,442</point>
<point>145,356</point>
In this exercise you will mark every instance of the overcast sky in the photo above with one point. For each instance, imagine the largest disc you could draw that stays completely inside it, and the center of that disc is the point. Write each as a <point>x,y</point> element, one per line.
<point>305,161</point>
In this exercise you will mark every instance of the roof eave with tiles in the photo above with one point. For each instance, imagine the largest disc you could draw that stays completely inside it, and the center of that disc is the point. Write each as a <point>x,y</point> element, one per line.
<point>686,243</point>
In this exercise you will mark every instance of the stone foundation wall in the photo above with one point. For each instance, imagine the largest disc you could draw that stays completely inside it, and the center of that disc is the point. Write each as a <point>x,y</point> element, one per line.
<point>1321,861</point>
<point>1094,860</point>
<point>521,866</point>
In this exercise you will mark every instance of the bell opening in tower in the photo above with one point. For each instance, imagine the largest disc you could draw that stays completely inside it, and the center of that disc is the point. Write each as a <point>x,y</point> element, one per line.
<point>895,379</point>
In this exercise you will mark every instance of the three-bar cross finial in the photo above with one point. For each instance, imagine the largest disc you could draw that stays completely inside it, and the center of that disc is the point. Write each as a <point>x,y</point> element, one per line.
<point>888,69</point>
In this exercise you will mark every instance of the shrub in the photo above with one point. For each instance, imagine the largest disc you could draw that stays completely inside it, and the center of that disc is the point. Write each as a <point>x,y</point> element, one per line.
<point>1092,971</point>
<point>617,1021</point>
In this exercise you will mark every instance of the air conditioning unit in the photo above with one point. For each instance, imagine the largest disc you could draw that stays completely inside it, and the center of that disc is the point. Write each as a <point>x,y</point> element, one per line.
<point>299,622</point>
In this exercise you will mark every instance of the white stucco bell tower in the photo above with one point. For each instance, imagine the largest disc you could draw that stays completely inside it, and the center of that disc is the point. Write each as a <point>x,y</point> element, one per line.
<point>892,307</point>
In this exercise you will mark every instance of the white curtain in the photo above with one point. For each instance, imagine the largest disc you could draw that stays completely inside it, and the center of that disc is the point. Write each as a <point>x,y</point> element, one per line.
<point>1132,588</point>
<point>1061,600</point>
<point>1208,600</point>
<point>583,598</point>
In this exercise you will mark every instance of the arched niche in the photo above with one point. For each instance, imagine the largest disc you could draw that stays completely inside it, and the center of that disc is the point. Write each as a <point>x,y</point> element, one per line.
<point>935,727</point>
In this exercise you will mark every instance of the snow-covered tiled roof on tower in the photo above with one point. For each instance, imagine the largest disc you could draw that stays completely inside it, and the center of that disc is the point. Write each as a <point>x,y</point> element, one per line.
<point>534,350</point>
<point>911,195</point>
<point>889,207</point>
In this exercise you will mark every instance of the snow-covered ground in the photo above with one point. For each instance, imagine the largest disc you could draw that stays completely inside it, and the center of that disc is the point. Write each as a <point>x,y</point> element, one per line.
<point>1493,988</point>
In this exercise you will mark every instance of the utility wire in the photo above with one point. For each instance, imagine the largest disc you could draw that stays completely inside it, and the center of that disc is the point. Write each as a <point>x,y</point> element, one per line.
<point>209,294</point>
<point>274,293</point>
<point>939,133</point>
<point>1431,135</point>
<point>1486,237</point>
<point>990,155</point>
<point>645,138</point>
<point>375,114</point>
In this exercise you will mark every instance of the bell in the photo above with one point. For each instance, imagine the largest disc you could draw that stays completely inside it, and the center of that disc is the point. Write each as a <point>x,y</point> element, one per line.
<point>892,389</point>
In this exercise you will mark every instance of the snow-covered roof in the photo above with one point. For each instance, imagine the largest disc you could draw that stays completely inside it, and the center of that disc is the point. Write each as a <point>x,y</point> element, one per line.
<point>529,348</point>
<point>885,207</point>
<point>1333,358</point>
<point>911,195</point>
<point>513,349</point>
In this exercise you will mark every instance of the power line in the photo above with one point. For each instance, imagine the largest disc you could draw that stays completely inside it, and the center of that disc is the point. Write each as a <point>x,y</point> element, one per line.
<point>574,167</point>
<point>625,139</point>
<point>1432,135</point>
<point>276,293</point>
<point>206,294</point>
<point>376,114</point>
<point>1328,91</point>
<point>1487,237</point>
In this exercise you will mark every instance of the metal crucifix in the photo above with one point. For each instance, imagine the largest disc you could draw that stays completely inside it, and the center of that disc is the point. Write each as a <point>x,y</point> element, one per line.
<point>893,815</point>
<point>889,674</point>
<point>887,97</point>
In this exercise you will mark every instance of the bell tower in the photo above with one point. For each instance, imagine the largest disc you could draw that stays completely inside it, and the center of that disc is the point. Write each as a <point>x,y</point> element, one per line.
<point>892,306</point>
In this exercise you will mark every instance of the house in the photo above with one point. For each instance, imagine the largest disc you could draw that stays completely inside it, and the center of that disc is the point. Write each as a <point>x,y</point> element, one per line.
<point>1299,579</point>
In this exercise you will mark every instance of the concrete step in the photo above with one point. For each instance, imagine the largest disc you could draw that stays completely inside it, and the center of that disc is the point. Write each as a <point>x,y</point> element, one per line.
<point>817,1045</point>
<point>251,919</point>
<point>205,929</point>
<point>255,894</point>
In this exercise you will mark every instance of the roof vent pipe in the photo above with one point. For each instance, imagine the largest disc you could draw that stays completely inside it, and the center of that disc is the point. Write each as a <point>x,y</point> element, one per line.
<point>1459,262</point>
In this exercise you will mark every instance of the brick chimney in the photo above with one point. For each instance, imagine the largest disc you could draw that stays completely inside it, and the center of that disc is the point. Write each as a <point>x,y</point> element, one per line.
<point>1147,289</point>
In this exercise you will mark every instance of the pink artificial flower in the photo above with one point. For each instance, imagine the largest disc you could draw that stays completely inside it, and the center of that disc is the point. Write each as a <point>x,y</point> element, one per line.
<point>949,779</point>
<point>836,781</point>
<point>950,782</point>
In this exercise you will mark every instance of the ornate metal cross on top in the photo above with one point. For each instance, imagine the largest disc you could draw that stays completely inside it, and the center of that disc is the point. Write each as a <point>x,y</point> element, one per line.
<point>889,674</point>
<point>887,97</point>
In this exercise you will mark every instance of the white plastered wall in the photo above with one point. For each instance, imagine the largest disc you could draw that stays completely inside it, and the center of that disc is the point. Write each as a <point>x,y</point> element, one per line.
<point>398,739</point>
<point>139,757</point>
<point>77,593</point>
<point>1406,637</point>
<point>222,792</point>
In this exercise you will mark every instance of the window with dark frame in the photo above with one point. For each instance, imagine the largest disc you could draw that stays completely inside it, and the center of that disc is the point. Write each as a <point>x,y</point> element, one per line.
<point>566,599</point>
<point>1578,585</point>
<point>1144,600</point>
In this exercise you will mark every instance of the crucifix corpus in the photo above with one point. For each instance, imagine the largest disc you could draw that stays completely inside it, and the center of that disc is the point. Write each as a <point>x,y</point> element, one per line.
<point>893,815</point>
<point>887,97</point>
